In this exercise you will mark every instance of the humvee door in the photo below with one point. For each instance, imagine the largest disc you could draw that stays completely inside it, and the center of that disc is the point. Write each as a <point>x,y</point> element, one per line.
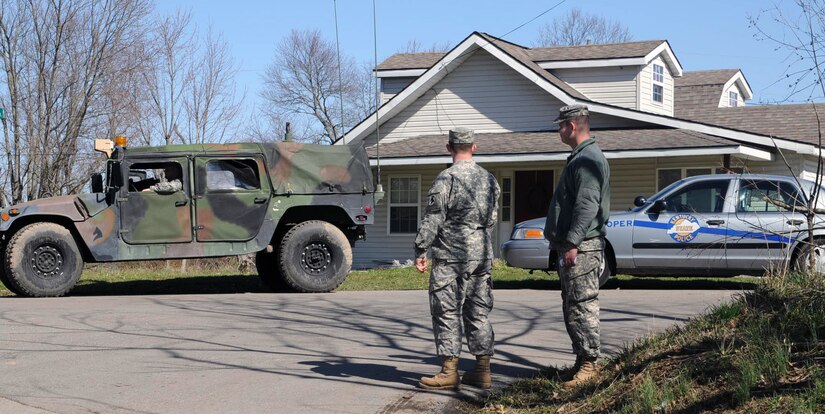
<point>231,197</point>
<point>151,209</point>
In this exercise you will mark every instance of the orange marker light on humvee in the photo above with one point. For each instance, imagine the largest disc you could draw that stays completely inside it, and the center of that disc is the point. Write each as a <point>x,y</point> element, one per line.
<point>120,141</point>
<point>13,212</point>
<point>5,217</point>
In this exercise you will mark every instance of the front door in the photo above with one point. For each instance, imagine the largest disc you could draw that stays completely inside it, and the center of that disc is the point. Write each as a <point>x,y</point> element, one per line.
<point>231,197</point>
<point>689,233</point>
<point>154,209</point>
<point>534,189</point>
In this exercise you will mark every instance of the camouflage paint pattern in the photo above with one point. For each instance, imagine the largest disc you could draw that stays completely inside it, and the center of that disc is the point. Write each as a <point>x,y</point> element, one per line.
<point>461,298</point>
<point>457,227</point>
<point>196,222</point>
<point>580,298</point>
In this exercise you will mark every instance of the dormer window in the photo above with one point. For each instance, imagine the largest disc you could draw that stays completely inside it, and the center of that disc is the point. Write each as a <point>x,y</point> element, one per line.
<point>658,80</point>
<point>733,99</point>
<point>658,73</point>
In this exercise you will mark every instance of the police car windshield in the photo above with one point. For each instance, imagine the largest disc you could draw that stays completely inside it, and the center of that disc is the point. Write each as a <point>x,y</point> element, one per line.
<point>656,196</point>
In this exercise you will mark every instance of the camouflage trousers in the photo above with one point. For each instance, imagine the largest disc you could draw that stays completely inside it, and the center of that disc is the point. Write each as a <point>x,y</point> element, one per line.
<point>461,298</point>
<point>580,297</point>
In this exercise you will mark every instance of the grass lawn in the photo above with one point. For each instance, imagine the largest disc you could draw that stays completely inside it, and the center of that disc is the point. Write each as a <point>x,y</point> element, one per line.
<point>157,278</point>
<point>764,352</point>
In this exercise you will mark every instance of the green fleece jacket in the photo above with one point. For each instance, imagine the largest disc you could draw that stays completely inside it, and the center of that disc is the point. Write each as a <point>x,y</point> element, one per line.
<point>581,203</point>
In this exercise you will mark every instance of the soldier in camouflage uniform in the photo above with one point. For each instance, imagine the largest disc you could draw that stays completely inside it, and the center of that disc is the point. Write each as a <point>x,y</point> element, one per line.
<point>170,183</point>
<point>576,228</point>
<point>457,226</point>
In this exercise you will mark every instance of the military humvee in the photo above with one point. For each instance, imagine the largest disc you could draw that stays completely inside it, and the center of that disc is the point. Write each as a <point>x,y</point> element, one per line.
<point>299,207</point>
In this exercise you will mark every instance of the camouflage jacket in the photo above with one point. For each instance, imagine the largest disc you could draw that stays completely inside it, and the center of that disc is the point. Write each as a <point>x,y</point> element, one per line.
<point>461,211</point>
<point>581,203</point>
<point>167,187</point>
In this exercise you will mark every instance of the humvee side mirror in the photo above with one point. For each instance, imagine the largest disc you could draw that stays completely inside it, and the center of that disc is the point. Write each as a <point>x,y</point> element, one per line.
<point>639,201</point>
<point>97,183</point>
<point>658,206</point>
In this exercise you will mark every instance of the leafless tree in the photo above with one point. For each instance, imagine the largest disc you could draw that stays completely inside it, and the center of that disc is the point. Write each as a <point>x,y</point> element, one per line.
<point>303,80</point>
<point>802,35</point>
<point>188,85</point>
<point>57,57</point>
<point>211,109</point>
<point>172,45</point>
<point>364,98</point>
<point>415,46</point>
<point>579,28</point>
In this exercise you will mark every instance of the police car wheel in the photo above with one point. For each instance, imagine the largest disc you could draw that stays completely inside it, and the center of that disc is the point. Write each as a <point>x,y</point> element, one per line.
<point>267,266</point>
<point>42,259</point>
<point>315,256</point>
<point>801,262</point>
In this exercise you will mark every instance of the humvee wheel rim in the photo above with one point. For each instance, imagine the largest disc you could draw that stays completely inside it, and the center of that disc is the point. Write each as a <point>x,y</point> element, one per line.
<point>316,258</point>
<point>47,261</point>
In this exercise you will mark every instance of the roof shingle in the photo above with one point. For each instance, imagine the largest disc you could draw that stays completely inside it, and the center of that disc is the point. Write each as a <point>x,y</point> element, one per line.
<point>549,142</point>
<point>543,54</point>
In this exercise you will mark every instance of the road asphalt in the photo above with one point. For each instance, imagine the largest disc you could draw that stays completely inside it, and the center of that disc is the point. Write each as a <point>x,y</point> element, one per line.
<point>344,352</point>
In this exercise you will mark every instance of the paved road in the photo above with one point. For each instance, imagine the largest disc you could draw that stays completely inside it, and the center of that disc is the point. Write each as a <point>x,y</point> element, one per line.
<point>347,352</point>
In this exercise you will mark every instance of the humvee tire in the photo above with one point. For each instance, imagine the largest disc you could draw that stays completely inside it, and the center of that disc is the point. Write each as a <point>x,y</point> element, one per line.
<point>8,283</point>
<point>314,256</point>
<point>42,260</point>
<point>5,279</point>
<point>267,267</point>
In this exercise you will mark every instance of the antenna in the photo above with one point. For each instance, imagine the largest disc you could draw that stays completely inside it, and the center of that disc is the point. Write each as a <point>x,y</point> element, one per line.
<point>378,187</point>
<point>340,83</point>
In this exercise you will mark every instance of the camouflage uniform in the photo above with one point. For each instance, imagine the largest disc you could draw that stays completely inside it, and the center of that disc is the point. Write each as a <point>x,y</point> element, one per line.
<point>457,226</point>
<point>167,187</point>
<point>577,215</point>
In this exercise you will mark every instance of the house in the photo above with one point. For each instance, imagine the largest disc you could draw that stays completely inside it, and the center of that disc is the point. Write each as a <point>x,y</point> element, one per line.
<point>655,123</point>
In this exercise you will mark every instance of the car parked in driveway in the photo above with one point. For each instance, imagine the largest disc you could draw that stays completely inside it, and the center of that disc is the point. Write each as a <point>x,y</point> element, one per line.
<point>723,224</point>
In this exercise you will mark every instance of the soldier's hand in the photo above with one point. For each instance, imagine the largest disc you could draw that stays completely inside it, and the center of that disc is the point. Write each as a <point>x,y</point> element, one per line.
<point>421,264</point>
<point>570,256</point>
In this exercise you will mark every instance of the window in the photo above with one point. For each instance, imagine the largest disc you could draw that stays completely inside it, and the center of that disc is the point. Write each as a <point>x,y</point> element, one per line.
<point>701,197</point>
<point>143,175</point>
<point>668,176</point>
<point>658,73</point>
<point>658,81</point>
<point>658,93</point>
<point>767,196</point>
<point>506,197</point>
<point>403,203</point>
<point>235,174</point>
<point>733,99</point>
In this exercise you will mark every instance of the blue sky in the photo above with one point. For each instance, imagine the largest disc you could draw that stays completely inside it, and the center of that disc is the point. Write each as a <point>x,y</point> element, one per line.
<point>704,34</point>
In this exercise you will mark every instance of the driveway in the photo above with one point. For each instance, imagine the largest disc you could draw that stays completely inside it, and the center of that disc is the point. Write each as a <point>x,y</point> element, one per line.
<point>346,352</point>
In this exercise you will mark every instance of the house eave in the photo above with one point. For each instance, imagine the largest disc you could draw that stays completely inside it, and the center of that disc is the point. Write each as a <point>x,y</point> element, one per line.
<point>399,73</point>
<point>592,63</point>
<point>739,151</point>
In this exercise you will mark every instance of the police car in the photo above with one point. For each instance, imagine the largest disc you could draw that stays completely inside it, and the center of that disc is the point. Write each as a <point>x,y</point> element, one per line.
<point>724,224</point>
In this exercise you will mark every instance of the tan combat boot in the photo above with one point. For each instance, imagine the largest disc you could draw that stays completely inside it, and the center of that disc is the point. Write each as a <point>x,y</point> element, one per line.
<point>567,373</point>
<point>587,371</point>
<point>446,379</point>
<point>480,376</point>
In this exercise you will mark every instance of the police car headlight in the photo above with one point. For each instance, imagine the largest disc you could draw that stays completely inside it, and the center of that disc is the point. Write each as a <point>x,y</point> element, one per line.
<point>528,233</point>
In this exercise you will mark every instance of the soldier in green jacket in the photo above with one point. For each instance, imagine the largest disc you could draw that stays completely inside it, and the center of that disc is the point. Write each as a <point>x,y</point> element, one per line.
<point>575,228</point>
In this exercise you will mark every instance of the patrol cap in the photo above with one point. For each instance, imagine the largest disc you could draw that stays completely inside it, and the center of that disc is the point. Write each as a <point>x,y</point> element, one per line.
<point>570,112</point>
<point>461,136</point>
